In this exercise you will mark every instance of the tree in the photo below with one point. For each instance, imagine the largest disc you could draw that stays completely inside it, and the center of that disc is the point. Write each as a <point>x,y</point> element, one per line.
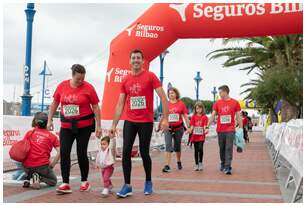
<point>277,61</point>
<point>188,102</point>
<point>278,84</point>
<point>208,106</point>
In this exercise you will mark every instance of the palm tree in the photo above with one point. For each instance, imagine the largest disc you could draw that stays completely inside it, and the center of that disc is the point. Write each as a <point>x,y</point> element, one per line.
<point>265,54</point>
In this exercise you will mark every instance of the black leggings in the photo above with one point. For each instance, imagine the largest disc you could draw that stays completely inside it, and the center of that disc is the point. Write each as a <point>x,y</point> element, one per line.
<point>66,140</point>
<point>198,152</point>
<point>245,134</point>
<point>144,131</point>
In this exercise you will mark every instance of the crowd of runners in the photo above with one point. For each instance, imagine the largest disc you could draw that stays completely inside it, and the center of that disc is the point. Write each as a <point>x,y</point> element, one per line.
<point>80,116</point>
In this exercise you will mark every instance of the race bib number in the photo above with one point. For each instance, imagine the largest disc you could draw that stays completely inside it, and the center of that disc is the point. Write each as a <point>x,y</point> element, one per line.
<point>174,117</point>
<point>198,131</point>
<point>138,103</point>
<point>225,119</point>
<point>71,110</point>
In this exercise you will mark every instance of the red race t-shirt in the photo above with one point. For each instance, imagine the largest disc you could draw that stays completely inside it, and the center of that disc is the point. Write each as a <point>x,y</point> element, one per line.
<point>244,121</point>
<point>226,110</point>
<point>139,91</point>
<point>76,102</point>
<point>198,122</point>
<point>42,141</point>
<point>176,110</point>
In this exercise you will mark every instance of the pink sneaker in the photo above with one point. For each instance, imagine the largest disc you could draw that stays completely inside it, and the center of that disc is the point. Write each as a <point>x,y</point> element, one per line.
<point>85,186</point>
<point>64,189</point>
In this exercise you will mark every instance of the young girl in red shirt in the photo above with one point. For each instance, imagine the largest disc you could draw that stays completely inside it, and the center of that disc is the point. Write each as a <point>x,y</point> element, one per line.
<point>198,123</point>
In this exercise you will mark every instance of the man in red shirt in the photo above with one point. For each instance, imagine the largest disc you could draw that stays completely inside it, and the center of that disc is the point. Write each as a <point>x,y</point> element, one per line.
<point>227,109</point>
<point>136,97</point>
<point>37,164</point>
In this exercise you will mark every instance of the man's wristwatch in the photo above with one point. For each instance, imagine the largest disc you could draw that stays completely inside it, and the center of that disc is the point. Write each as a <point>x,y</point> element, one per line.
<point>206,127</point>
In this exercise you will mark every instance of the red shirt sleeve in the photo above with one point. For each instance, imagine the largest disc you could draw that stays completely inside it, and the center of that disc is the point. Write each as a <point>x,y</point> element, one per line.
<point>244,121</point>
<point>238,108</point>
<point>94,99</point>
<point>57,93</point>
<point>122,86</point>
<point>155,81</point>
<point>55,141</point>
<point>215,107</point>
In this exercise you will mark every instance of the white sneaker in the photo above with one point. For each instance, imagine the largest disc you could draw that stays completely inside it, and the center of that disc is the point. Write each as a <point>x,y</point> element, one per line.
<point>196,168</point>
<point>200,166</point>
<point>36,181</point>
<point>105,192</point>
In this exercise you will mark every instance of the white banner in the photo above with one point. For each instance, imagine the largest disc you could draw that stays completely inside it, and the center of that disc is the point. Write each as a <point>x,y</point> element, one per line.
<point>15,127</point>
<point>288,139</point>
<point>292,144</point>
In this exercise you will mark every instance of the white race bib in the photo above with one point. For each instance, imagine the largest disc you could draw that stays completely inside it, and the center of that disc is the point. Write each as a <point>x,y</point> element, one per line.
<point>225,119</point>
<point>138,102</point>
<point>71,110</point>
<point>198,130</point>
<point>173,117</point>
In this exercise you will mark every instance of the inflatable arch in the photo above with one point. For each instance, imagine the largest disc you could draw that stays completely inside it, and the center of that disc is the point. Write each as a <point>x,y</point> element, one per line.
<point>162,24</point>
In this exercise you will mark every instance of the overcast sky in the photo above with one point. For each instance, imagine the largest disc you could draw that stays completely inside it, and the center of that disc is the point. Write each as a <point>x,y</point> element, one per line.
<point>65,34</point>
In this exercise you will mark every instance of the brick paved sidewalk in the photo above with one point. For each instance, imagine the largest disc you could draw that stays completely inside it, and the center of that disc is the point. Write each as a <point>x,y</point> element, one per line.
<point>253,180</point>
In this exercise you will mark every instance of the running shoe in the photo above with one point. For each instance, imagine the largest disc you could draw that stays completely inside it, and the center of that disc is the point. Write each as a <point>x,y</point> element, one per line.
<point>148,188</point>
<point>64,188</point>
<point>166,169</point>
<point>125,191</point>
<point>85,186</point>
<point>200,166</point>
<point>228,171</point>
<point>196,168</point>
<point>26,184</point>
<point>36,181</point>
<point>179,165</point>
<point>105,192</point>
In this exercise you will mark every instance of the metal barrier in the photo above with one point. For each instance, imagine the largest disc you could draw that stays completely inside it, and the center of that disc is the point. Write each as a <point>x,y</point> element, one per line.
<point>285,142</point>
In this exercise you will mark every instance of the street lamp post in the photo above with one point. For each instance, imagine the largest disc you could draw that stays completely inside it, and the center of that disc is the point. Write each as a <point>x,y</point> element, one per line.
<point>161,77</point>
<point>169,86</point>
<point>197,79</point>
<point>26,97</point>
<point>214,92</point>
<point>44,74</point>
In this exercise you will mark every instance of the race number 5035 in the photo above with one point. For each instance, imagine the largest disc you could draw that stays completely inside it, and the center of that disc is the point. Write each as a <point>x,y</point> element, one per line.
<point>174,117</point>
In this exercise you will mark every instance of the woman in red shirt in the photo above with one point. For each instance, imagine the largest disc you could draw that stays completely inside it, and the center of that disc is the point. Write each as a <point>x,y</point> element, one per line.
<point>198,123</point>
<point>80,116</point>
<point>37,164</point>
<point>177,111</point>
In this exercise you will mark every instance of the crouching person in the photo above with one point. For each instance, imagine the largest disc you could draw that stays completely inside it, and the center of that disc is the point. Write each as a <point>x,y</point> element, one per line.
<point>37,164</point>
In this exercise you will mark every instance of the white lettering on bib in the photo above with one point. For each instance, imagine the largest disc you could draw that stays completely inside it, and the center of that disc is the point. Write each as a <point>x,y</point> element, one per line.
<point>198,130</point>
<point>225,119</point>
<point>138,102</point>
<point>173,117</point>
<point>71,110</point>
